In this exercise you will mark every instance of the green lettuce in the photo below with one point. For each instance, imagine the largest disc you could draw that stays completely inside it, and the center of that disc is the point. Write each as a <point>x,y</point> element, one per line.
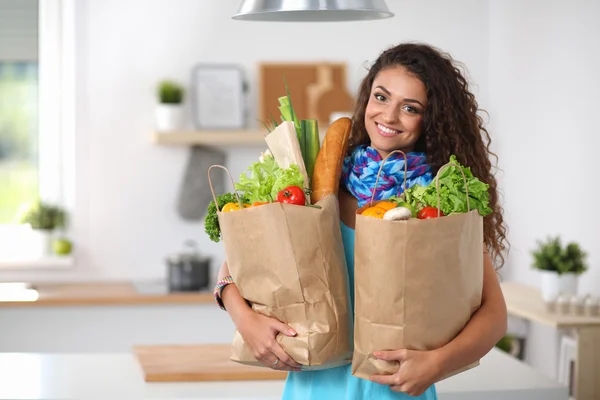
<point>290,176</point>
<point>264,179</point>
<point>452,191</point>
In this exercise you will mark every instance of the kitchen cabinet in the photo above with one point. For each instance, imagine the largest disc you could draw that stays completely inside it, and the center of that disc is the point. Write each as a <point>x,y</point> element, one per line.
<point>107,317</point>
<point>525,302</point>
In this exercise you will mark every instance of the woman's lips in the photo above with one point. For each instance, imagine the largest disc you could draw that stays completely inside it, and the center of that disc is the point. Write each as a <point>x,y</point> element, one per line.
<point>386,131</point>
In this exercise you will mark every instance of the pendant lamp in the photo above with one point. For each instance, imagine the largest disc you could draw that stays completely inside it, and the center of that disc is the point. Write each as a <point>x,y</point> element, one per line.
<point>312,10</point>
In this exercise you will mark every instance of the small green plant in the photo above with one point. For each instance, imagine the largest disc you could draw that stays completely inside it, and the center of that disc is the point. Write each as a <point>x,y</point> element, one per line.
<point>43,216</point>
<point>506,343</point>
<point>170,92</point>
<point>552,256</point>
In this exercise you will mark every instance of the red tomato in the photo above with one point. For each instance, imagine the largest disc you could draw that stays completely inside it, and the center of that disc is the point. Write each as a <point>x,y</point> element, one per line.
<point>291,195</point>
<point>429,212</point>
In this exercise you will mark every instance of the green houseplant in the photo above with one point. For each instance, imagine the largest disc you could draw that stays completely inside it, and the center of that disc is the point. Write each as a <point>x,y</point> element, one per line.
<point>170,92</point>
<point>169,111</point>
<point>43,216</point>
<point>44,219</point>
<point>559,265</point>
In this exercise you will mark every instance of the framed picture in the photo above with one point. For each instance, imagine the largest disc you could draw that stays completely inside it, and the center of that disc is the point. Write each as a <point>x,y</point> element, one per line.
<point>218,96</point>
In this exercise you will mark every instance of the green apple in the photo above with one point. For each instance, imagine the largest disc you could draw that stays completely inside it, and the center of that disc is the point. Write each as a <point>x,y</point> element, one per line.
<point>411,208</point>
<point>62,247</point>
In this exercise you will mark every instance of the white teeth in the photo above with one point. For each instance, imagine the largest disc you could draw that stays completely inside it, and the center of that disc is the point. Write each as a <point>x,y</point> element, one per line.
<point>386,129</point>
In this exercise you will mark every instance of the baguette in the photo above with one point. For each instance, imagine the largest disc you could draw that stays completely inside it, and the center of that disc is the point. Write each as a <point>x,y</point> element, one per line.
<point>328,167</point>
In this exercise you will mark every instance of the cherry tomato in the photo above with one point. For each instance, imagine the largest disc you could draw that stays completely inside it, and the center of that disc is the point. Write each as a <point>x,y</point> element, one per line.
<point>292,195</point>
<point>429,212</point>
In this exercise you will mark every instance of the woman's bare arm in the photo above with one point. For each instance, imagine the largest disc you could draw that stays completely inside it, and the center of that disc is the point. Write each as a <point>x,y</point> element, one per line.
<point>233,301</point>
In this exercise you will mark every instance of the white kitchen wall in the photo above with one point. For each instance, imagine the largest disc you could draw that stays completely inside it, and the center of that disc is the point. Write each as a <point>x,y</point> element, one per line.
<point>125,222</point>
<point>544,85</point>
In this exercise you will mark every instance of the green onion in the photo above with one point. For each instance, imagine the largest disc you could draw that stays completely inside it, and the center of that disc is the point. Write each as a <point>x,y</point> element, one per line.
<point>285,109</point>
<point>312,144</point>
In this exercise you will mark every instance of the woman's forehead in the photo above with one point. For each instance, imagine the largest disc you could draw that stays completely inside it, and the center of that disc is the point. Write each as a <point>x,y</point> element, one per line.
<point>399,82</point>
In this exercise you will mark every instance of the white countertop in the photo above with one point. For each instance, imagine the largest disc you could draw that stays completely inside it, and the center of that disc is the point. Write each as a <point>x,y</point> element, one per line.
<point>118,376</point>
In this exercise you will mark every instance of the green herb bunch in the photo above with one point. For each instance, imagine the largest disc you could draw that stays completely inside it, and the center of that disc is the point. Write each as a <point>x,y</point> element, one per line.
<point>211,221</point>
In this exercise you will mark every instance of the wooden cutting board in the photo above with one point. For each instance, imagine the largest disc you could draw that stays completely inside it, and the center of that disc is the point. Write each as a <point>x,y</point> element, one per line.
<point>316,89</point>
<point>188,363</point>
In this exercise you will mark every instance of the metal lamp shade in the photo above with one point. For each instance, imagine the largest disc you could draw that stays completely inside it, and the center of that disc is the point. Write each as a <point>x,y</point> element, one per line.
<point>312,10</point>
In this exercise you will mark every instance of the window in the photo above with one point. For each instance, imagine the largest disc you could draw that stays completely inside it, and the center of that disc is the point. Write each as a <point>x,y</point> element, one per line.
<point>18,105</point>
<point>37,97</point>
<point>18,137</point>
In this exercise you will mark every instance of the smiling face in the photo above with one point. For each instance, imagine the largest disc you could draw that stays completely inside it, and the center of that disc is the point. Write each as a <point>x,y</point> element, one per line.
<point>394,113</point>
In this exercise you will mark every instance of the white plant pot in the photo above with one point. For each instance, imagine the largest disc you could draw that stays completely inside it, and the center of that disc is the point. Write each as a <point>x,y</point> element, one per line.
<point>39,245</point>
<point>554,285</point>
<point>169,117</point>
<point>568,284</point>
<point>550,285</point>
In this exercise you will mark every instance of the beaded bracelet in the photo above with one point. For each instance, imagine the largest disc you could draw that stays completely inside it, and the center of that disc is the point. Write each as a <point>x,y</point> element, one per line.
<point>219,289</point>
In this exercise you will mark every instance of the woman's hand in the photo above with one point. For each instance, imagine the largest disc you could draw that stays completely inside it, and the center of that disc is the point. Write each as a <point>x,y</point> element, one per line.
<point>418,370</point>
<point>259,332</point>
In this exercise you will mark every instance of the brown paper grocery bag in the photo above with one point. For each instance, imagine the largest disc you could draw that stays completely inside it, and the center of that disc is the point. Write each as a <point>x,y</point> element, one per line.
<point>288,261</point>
<point>417,284</point>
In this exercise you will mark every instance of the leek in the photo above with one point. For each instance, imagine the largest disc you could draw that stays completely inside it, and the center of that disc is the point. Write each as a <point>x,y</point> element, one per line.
<point>303,141</point>
<point>312,144</point>
<point>283,144</point>
<point>307,132</point>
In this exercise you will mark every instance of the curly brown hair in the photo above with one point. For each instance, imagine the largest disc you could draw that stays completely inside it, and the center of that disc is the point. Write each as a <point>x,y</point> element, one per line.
<point>451,124</point>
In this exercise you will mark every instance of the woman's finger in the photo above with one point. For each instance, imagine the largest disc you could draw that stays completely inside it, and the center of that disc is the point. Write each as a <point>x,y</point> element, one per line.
<point>265,357</point>
<point>283,356</point>
<point>390,380</point>
<point>394,355</point>
<point>270,360</point>
<point>283,328</point>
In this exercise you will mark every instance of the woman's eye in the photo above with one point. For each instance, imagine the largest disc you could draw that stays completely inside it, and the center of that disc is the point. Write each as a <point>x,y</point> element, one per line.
<point>411,109</point>
<point>379,97</point>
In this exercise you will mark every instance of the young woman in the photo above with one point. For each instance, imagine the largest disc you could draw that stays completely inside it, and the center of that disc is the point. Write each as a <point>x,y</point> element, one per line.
<point>414,98</point>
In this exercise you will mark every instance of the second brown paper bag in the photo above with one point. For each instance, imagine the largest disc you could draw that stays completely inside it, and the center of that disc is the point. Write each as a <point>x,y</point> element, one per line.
<point>417,284</point>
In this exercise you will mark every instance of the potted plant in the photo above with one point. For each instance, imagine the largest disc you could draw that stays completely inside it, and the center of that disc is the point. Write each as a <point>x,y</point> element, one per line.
<point>169,111</point>
<point>44,219</point>
<point>560,267</point>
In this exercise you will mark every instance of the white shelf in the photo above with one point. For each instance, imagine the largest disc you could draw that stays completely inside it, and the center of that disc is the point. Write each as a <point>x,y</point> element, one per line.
<point>50,262</point>
<point>211,138</point>
<point>243,137</point>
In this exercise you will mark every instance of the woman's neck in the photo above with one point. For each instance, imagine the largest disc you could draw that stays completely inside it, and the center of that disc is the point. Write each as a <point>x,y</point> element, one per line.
<point>384,153</point>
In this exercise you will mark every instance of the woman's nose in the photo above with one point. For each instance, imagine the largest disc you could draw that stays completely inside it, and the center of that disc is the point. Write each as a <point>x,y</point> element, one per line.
<point>390,115</point>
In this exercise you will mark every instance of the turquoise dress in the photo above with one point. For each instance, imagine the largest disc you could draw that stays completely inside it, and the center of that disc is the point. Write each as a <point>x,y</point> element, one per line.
<point>338,383</point>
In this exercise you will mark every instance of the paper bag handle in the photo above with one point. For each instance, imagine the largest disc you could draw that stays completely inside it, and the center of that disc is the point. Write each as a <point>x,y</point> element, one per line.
<point>212,190</point>
<point>381,167</point>
<point>437,185</point>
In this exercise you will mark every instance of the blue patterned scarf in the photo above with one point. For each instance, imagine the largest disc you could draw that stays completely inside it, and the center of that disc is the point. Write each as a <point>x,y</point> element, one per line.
<point>360,169</point>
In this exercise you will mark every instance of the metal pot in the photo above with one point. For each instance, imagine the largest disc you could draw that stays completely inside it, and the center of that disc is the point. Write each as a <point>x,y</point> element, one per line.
<point>188,271</point>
